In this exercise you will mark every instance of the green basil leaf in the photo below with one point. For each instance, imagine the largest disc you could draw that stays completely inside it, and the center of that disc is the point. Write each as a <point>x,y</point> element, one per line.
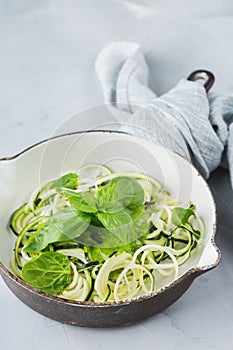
<point>66,181</point>
<point>120,225</point>
<point>115,221</point>
<point>120,193</point>
<point>101,254</point>
<point>83,201</point>
<point>109,199</point>
<point>109,230</point>
<point>180,216</point>
<point>50,272</point>
<point>67,224</point>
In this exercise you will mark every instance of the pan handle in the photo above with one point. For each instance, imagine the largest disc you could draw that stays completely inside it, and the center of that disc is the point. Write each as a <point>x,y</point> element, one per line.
<point>206,76</point>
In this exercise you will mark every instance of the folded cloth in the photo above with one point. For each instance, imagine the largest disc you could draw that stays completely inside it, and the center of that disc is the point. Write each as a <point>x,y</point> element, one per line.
<point>185,120</point>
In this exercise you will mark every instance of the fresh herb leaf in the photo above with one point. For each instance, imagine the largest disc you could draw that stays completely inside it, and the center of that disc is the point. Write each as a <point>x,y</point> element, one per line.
<point>50,272</point>
<point>120,224</point>
<point>109,199</point>
<point>83,201</point>
<point>67,224</point>
<point>99,254</point>
<point>113,231</point>
<point>120,193</point>
<point>66,181</point>
<point>180,216</point>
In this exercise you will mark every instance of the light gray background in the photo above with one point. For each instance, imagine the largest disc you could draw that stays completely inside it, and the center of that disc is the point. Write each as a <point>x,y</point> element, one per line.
<point>47,53</point>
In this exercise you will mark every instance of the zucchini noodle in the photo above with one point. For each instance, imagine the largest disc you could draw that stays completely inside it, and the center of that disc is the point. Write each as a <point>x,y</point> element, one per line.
<point>164,245</point>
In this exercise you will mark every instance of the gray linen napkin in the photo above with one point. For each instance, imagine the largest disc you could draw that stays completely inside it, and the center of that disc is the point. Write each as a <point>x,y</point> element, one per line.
<point>185,120</point>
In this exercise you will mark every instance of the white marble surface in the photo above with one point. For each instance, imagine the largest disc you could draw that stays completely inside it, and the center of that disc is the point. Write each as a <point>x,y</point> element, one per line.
<point>48,48</point>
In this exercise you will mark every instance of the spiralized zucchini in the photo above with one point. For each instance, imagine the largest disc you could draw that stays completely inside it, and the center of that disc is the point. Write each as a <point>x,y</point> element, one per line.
<point>103,272</point>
